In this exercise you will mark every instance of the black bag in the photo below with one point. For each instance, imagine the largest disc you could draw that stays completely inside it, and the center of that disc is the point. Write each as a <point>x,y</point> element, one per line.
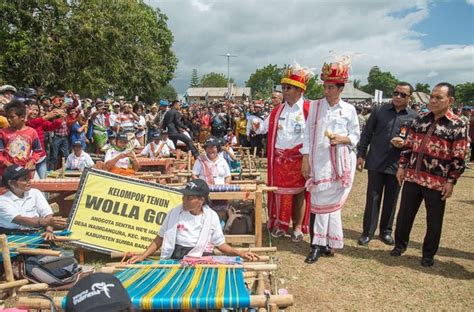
<point>52,270</point>
<point>241,220</point>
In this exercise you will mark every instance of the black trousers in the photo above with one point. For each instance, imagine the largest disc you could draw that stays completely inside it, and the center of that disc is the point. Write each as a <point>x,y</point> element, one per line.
<point>256,142</point>
<point>380,184</point>
<point>312,219</point>
<point>189,143</point>
<point>412,196</point>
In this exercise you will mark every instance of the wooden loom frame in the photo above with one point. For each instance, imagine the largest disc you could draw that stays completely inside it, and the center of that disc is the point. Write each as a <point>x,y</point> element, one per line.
<point>253,275</point>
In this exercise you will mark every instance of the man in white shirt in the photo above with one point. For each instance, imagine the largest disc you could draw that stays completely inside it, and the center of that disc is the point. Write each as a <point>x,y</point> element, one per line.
<point>329,161</point>
<point>285,127</point>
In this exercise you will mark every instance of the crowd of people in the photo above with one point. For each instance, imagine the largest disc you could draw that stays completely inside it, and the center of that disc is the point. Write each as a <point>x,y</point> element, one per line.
<point>313,148</point>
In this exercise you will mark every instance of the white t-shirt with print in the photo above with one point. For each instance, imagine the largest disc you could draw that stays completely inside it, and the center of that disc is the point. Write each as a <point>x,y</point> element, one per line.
<point>189,228</point>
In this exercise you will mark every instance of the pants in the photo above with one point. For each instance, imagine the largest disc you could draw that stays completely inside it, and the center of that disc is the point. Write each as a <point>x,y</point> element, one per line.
<point>186,140</point>
<point>412,196</point>
<point>380,184</point>
<point>256,142</point>
<point>326,230</point>
<point>42,168</point>
<point>60,143</point>
<point>243,140</point>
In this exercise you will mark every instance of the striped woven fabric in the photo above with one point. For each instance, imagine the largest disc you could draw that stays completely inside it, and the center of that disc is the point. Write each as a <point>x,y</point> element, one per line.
<point>177,287</point>
<point>29,241</point>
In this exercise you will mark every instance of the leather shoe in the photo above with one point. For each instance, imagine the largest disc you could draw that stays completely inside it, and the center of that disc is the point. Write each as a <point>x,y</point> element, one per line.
<point>427,262</point>
<point>314,255</point>
<point>386,238</point>
<point>396,252</point>
<point>327,251</point>
<point>363,240</point>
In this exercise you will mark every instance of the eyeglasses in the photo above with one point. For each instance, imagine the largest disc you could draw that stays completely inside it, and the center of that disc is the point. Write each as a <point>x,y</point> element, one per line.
<point>402,95</point>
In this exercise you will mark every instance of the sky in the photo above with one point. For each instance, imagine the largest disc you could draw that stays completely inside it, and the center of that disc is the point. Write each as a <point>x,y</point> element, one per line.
<point>426,41</point>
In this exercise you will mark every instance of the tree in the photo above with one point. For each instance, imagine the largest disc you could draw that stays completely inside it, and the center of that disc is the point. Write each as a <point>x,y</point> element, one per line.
<point>213,80</point>
<point>194,79</point>
<point>357,83</point>
<point>465,93</point>
<point>87,46</point>
<point>166,93</point>
<point>264,80</point>
<point>379,80</point>
<point>422,87</point>
<point>314,90</point>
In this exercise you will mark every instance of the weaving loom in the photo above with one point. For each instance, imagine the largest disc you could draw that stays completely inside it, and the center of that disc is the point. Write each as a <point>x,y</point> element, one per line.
<point>193,283</point>
<point>177,287</point>
<point>22,244</point>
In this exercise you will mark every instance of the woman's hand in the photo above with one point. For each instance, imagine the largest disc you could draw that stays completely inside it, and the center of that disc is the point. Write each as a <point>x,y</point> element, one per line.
<point>55,222</point>
<point>250,256</point>
<point>48,235</point>
<point>136,258</point>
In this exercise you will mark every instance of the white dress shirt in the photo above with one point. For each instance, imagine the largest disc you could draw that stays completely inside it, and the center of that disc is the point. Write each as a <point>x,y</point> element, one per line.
<point>291,125</point>
<point>33,204</point>
<point>340,119</point>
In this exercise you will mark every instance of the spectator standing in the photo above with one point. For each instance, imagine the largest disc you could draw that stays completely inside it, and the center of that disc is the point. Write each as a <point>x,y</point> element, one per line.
<point>431,162</point>
<point>384,133</point>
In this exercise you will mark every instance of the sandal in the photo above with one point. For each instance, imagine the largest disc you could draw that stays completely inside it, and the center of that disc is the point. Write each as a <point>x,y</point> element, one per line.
<point>297,236</point>
<point>277,233</point>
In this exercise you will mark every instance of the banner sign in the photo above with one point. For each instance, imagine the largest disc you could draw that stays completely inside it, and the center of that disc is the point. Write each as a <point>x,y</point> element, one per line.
<point>117,213</point>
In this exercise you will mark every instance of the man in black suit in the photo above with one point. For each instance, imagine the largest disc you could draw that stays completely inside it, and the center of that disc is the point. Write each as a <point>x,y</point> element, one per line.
<point>173,123</point>
<point>385,133</point>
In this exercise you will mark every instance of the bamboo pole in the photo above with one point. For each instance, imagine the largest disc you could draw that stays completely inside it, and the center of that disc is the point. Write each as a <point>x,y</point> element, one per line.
<point>281,301</point>
<point>249,266</point>
<point>258,218</point>
<point>34,287</point>
<point>7,262</point>
<point>217,252</point>
<point>43,252</point>
<point>64,239</point>
<point>13,284</point>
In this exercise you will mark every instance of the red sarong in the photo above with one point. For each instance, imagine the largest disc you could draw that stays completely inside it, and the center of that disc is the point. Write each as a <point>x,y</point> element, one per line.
<point>284,171</point>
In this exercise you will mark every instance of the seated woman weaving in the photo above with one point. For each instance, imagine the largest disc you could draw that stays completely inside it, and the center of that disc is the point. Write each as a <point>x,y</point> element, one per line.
<point>23,209</point>
<point>119,159</point>
<point>191,229</point>
<point>211,167</point>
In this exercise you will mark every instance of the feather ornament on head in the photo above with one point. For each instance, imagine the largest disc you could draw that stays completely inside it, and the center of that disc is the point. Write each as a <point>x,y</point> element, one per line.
<point>297,76</point>
<point>338,70</point>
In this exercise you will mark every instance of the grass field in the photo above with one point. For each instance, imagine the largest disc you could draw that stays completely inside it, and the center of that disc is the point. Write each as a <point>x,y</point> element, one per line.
<point>368,278</point>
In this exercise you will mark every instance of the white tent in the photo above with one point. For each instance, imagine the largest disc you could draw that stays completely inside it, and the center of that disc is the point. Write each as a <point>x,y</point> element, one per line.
<point>351,93</point>
<point>420,98</point>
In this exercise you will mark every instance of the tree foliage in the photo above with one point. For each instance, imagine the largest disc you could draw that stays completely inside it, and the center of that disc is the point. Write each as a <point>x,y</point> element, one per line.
<point>314,90</point>
<point>380,80</point>
<point>88,46</point>
<point>167,92</point>
<point>357,83</point>
<point>422,87</point>
<point>213,80</point>
<point>465,93</point>
<point>194,79</point>
<point>263,81</point>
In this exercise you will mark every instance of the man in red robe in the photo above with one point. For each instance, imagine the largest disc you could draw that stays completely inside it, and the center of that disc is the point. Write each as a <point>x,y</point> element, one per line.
<point>285,127</point>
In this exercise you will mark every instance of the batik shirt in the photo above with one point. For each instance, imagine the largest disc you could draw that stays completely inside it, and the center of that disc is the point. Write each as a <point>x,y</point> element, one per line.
<point>434,150</point>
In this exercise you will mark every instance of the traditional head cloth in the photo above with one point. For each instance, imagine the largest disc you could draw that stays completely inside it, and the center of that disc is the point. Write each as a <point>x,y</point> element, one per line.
<point>337,71</point>
<point>297,76</point>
